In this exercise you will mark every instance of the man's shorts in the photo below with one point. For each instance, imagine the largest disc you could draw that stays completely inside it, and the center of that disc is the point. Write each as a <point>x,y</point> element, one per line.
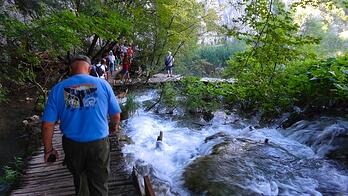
<point>169,68</point>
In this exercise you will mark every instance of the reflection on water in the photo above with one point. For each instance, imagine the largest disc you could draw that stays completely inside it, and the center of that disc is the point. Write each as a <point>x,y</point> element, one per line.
<point>235,161</point>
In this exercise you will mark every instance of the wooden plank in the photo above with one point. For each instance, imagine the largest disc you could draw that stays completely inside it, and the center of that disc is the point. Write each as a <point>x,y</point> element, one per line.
<point>148,187</point>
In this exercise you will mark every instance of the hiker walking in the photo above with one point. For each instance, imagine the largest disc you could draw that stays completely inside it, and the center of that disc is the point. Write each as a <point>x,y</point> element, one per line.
<point>99,69</point>
<point>130,53</point>
<point>102,69</point>
<point>117,53</point>
<point>111,59</point>
<point>168,61</point>
<point>93,71</point>
<point>82,104</point>
<point>125,69</point>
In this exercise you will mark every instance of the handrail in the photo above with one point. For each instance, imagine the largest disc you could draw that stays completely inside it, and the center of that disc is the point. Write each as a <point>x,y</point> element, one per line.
<point>145,188</point>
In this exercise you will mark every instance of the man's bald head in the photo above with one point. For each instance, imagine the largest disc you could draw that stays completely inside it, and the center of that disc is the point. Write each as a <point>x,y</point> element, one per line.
<point>80,64</point>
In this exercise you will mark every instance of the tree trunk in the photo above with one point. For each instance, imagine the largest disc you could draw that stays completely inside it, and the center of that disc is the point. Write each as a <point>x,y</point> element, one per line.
<point>100,52</point>
<point>94,42</point>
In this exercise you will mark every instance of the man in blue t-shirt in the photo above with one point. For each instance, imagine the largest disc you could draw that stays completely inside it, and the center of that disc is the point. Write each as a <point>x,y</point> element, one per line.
<point>82,104</point>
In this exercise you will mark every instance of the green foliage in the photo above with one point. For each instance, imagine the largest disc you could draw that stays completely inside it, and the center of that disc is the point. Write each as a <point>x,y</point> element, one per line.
<point>199,96</point>
<point>163,26</point>
<point>330,27</point>
<point>131,105</point>
<point>3,93</point>
<point>169,95</point>
<point>11,174</point>
<point>40,106</point>
<point>318,83</point>
<point>315,83</point>
<point>39,36</point>
<point>35,48</point>
<point>273,43</point>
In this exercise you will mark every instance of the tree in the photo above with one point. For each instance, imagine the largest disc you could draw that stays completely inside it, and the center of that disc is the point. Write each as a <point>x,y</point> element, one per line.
<point>37,48</point>
<point>273,41</point>
<point>38,38</point>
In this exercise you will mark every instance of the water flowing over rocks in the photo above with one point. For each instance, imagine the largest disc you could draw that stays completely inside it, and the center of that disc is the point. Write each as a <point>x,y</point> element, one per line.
<point>230,156</point>
<point>328,137</point>
<point>246,167</point>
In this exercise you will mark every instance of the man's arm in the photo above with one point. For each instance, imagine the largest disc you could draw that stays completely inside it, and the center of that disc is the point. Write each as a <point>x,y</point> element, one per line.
<point>114,124</point>
<point>47,134</point>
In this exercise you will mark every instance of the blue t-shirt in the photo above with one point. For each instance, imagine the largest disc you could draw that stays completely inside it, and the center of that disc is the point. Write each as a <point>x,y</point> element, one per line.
<point>82,103</point>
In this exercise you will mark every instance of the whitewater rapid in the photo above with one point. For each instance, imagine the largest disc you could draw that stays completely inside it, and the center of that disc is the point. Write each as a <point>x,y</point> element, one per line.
<point>184,144</point>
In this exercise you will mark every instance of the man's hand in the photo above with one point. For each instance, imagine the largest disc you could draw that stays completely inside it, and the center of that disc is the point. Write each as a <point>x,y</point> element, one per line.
<point>53,154</point>
<point>114,127</point>
<point>47,134</point>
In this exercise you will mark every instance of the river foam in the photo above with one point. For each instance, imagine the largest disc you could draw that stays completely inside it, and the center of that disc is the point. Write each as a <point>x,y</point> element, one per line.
<point>285,166</point>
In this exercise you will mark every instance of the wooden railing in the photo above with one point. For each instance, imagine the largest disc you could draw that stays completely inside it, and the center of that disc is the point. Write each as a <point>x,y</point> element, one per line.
<point>143,189</point>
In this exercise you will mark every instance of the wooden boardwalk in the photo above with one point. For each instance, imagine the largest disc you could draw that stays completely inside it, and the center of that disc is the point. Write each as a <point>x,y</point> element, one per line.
<point>55,179</point>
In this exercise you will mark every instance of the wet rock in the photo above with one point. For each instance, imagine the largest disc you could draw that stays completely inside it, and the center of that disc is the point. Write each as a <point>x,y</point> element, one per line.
<point>208,116</point>
<point>170,111</point>
<point>226,172</point>
<point>216,135</point>
<point>126,139</point>
<point>219,148</point>
<point>202,124</point>
<point>33,118</point>
<point>32,125</point>
<point>292,119</point>
<point>25,122</point>
<point>338,146</point>
<point>246,167</point>
<point>328,137</point>
<point>251,128</point>
<point>266,141</point>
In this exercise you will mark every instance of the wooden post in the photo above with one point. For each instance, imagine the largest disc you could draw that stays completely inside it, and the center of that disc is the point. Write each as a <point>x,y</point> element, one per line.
<point>148,187</point>
<point>160,137</point>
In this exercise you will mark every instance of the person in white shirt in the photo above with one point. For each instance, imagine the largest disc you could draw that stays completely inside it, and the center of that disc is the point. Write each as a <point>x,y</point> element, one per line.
<point>112,60</point>
<point>169,62</point>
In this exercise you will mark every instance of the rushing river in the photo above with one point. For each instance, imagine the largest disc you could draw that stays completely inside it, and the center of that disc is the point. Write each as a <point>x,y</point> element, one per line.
<point>228,157</point>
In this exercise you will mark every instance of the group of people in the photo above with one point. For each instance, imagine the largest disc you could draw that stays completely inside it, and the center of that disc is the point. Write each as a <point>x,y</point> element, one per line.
<point>117,60</point>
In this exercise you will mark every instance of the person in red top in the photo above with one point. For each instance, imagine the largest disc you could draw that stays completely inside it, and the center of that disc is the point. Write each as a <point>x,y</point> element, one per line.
<point>125,71</point>
<point>130,53</point>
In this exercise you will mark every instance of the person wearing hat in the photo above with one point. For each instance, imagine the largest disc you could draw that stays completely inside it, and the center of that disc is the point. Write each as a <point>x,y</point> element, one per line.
<point>168,61</point>
<point>82,104</point>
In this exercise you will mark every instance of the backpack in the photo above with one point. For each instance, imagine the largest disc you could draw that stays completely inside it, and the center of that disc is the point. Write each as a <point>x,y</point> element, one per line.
<point>99,70</point>
<point>168,60</point>
<point>94,71</point>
